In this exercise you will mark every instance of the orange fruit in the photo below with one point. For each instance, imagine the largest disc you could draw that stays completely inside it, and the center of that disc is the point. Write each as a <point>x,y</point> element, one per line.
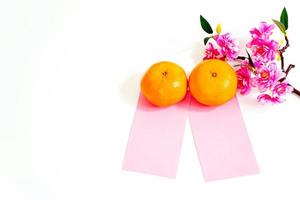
<point>164,84</point>
<point>213,82</point>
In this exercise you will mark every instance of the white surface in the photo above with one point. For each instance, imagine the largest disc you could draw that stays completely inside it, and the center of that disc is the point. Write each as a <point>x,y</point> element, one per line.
<point>69,73</point>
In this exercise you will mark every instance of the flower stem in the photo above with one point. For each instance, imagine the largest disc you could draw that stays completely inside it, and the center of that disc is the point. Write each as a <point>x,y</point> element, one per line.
<point>281,60</point>
<point>287,44</point>
<point>291,66</point>
<point>282,50</point>
<point>295,91</point>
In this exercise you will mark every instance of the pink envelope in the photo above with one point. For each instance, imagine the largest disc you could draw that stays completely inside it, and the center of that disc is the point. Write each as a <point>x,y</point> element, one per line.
<point>220,137</point>
<point>155,138</point>
<point>221,140</point>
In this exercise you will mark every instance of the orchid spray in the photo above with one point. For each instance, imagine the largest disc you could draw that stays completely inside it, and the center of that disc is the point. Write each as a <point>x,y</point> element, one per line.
<point>263,68</point>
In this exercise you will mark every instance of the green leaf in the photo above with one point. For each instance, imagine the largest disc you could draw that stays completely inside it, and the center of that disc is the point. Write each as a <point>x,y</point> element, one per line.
<point>284,19</point>
<point>280,26</point>
<point>206,40</point>
<point>205,25</point>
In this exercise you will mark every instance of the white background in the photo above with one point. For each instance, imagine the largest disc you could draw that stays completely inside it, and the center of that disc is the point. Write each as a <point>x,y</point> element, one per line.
<point>69,81</point>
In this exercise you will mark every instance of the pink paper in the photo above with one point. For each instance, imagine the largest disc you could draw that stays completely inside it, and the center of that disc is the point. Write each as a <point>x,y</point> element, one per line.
<point>155,138</point>
<point>222,142</point>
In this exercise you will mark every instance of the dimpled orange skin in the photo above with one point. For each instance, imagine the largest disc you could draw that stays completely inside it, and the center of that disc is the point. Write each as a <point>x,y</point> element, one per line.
<point>213,82</point>
<point>164,84</point>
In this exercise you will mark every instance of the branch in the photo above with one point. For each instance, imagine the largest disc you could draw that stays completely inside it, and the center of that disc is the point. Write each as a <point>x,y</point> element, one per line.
<point>287,44</point>
<point>291,66</point>
<point>282,50</point>
<point>241,58</point>
<point>281,60</point>
<point>295,91</point>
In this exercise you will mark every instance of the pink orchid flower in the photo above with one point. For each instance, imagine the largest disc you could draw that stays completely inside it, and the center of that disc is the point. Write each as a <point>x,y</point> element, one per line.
<point>264,50</point>
<point>266,76</point>
<point>262,47</point>
<point>266,98</point>
<point>280,89</point>
<point>258,63</point>
<point>211,52</point>
<point>228,45</point>
<point>264,31</point>
<point>278,93</point>
<point>244,78</point>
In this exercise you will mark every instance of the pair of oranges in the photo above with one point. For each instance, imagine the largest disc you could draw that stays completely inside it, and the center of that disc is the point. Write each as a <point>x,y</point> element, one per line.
<point>212,82</point>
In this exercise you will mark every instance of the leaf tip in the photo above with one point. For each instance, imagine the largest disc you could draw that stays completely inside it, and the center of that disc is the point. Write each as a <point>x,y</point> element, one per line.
<point>205,25</point>
<point>284,18</point>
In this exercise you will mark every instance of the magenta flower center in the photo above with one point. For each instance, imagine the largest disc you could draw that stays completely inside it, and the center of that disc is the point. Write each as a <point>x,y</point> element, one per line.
<point>280,91</point>
<point>261,50</point>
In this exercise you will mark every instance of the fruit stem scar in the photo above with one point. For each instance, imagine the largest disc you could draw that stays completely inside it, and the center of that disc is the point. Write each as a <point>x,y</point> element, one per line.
<point>214,74</point>
<point>165,73</point>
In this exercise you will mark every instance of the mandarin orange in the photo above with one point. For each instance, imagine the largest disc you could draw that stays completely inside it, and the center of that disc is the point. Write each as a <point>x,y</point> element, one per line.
<point>164,84</point>
<point>213,82</point>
